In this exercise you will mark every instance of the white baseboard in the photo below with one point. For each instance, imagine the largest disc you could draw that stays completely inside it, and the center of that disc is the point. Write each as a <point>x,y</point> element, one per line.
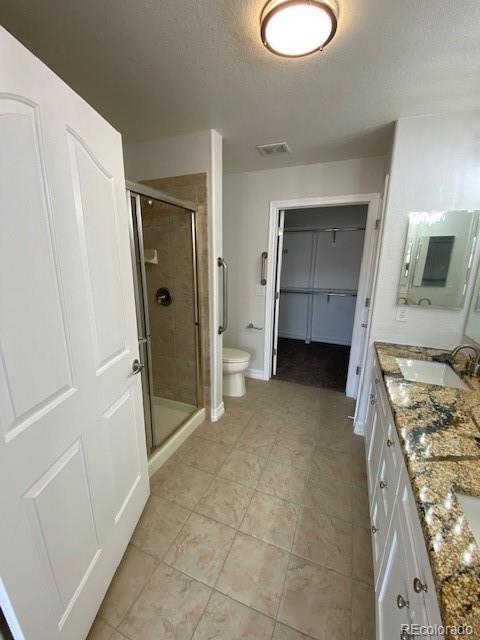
<point>217,412</point>
<point>257,374</point>
<point>163,453</point>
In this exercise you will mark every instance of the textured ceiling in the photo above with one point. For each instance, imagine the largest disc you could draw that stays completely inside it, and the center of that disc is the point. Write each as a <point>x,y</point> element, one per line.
<point>157,68</point>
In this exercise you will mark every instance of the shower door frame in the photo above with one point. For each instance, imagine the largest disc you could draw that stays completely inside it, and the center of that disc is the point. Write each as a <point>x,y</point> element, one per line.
<point>136,191</point>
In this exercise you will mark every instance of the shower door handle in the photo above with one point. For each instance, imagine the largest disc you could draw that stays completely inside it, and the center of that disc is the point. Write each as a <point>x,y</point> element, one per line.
<point>263,274</point>
<point>223,265</point>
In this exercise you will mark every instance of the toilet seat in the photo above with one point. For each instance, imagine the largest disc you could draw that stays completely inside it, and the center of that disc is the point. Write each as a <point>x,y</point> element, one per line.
<point>235,355</point>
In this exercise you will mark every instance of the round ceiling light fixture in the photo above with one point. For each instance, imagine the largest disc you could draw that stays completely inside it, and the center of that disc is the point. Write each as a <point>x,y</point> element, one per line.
<point>296,28</point>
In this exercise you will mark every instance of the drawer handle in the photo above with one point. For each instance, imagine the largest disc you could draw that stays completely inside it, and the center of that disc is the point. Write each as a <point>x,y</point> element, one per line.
<point>374,529</point>
<point>389,443</point>
<point>402,603</point>
<point>419,587</point>
<point>383,484</point>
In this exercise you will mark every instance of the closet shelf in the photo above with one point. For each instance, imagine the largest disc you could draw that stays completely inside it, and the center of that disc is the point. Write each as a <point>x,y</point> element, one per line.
<point>322,292</point>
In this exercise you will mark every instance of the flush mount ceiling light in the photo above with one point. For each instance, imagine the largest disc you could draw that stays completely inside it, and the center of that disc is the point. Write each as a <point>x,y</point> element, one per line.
<point>295,28</point>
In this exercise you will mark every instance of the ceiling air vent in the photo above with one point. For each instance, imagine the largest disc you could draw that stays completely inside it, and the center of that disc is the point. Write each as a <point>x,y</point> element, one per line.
<point>273,148</point>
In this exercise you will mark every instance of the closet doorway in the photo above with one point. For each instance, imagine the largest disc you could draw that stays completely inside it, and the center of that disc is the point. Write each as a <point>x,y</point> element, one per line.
<point>321,274</point>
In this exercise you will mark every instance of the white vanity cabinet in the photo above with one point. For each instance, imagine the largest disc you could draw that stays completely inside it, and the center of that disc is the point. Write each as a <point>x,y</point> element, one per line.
<point>404,588</point>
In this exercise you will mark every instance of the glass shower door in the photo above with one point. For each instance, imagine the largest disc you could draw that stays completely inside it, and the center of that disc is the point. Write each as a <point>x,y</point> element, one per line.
<point>167,314</point>
<point>142,316</point>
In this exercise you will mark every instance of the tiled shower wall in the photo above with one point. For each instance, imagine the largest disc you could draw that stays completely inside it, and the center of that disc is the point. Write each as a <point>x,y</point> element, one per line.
<point>193,188</point>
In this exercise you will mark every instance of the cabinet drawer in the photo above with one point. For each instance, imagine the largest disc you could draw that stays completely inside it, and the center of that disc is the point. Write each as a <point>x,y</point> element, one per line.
<point>392,448</point>
<point>382,505</point>
<point>369,417</point>
<point>381,393</point>
<point>419,563</point>
<point>391,590</point>
<point>379,535</point>
<point>375,451</point>
<point>386,488</point>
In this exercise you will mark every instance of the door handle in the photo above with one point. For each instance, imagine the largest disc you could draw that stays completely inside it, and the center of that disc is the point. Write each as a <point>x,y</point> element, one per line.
<point>223,265</point>
<point>137,366</point>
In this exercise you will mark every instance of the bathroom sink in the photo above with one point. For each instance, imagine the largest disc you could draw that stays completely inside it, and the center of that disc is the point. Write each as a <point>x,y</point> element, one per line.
<point>430,372</point>
<point>471,507</point>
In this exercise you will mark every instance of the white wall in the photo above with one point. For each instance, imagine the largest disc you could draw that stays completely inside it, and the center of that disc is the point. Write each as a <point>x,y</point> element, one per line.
<point>199,152</point>
<point>435,167</point>
<point>166,157</point>
<point>247,198</point>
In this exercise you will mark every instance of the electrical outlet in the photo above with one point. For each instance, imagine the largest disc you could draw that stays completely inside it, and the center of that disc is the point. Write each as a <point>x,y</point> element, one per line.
<point>402,314</point>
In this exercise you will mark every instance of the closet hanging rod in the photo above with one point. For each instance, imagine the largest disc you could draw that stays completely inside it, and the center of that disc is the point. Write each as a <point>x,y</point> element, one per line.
<point>322,229</point>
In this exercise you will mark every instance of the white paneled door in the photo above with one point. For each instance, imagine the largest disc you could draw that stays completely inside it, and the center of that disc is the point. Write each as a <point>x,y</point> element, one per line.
<point>73,467</point>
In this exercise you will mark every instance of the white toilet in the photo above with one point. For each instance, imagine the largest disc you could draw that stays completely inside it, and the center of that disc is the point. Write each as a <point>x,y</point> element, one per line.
<point>235,363</point>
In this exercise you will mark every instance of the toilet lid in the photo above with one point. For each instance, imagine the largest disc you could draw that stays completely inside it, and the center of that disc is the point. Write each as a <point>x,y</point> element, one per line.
<point>235,355</point>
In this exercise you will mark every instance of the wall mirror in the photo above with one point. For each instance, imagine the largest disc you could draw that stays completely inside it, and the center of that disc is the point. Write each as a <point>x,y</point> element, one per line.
<point>438,258</point>
<point>472,330</point>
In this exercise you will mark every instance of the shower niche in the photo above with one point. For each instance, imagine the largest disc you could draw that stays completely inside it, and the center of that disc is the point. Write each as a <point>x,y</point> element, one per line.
<point>163,240</point>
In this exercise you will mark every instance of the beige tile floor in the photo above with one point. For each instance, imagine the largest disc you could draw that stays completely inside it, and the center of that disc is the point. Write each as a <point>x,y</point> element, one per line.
<point>257,528</point>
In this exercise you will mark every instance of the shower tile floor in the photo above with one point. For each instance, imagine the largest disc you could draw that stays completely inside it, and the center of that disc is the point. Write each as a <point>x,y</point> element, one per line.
<point>257,528</point>
<point>167,416</point>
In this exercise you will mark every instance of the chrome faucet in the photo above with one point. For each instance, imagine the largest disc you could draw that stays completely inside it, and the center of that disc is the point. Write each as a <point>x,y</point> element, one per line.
<point>473,364</point>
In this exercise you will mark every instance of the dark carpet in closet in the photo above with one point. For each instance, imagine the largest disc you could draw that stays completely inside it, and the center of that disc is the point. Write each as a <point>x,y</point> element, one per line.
<point>316,364</point>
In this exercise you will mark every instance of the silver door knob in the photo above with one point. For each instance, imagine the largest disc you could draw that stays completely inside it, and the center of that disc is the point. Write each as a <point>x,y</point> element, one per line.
<point>374,529</point>
<point>418,586</point>
<point>383,484</point>
<point>402,603</point>
<point>389,443</point>
<point>137,366</point>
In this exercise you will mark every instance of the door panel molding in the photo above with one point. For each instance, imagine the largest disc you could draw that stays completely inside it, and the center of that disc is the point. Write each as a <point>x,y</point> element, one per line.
<point>33,308</point>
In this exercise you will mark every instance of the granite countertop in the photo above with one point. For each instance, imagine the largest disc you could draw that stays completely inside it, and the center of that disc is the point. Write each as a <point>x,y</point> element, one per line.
<point>439,432</point>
